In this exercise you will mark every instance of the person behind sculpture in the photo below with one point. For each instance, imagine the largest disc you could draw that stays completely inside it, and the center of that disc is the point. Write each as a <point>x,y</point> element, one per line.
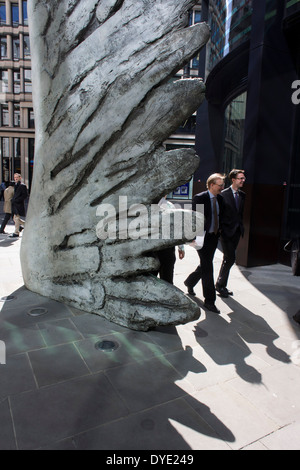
<point>8,195</point>
<point>18,204</point>
<point>213,206</point>
<point>2,189</point>
<point>232,227</point>
<point>167,259</point>
<point>167,256</point>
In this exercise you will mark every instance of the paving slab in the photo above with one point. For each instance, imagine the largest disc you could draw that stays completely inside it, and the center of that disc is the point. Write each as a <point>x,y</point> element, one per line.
<point>61,410</point>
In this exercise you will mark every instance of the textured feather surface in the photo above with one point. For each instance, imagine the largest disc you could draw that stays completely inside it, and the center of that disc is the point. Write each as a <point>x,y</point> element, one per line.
<point>105,102</point>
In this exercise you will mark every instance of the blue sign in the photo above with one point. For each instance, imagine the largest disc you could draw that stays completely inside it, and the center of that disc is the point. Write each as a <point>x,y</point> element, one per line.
<point>183,192</point>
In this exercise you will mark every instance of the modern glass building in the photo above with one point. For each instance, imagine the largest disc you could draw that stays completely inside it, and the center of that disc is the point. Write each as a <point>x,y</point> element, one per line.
<point>251,119</point>
<point>17,119</point>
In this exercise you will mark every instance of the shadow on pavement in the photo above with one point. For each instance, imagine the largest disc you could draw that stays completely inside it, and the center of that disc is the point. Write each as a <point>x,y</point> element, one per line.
<point>80,398</point>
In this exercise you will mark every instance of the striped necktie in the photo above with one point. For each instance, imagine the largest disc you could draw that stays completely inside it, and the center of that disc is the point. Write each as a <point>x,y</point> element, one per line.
<point>236,198</point>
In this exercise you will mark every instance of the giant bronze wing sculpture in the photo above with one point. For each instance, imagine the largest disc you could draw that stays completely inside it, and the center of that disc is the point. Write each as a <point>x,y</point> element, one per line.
<point>104,102</point>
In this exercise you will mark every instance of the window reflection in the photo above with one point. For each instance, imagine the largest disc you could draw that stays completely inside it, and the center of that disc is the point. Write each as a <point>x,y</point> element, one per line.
<point>292,6</point>
<point>2,13</point>
<point>26,46</point>
<point>230,23</point>
<point>3,47</point>
<point>234,123</point>
<point>3,81</point>
<point>25,15</point>
<point>27,81</point>
<point>16,48</point>
<point>15,14</point>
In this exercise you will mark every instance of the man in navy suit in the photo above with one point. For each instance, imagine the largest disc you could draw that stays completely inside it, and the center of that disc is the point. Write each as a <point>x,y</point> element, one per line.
<point>232,227</point>
<point>213,203</point>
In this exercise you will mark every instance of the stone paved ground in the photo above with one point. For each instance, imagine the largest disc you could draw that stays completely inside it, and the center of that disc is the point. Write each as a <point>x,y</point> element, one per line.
<point>228,381</point>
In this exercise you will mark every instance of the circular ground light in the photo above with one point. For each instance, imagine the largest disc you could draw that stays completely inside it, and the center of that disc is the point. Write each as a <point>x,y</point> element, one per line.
<point>37,311</point>
<point>7,298</point>
<point>106,346</point>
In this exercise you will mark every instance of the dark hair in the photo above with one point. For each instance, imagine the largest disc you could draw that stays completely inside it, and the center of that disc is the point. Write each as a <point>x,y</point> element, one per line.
<point>233,174</point>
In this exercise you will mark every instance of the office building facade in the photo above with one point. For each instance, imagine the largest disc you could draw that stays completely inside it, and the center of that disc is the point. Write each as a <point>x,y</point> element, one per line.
<point>17,118</point>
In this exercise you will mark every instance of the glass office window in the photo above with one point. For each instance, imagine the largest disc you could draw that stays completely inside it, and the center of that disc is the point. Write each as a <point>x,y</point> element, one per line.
<point>16,48</point>
<point>17,147</point>
<point>17,165</point>
<point>17,116</point>
<point>292,6</point>
<point>3,47</point>
<point>4,115</point>
<point>27,81</point>
<point>5,158</point>
<point>3,81</point>
<point>230,25</point>
<point>17,155</point>
<point>2,13</point>
<point>197,16</point>
<point>194,18</point>
<point>15,14</point>
<point>26,46</point>
<point>30,118</point>
<point>24,9</point>
<point>17,82</point>
<point>5,146</point>
<point>234,124</point>
<point>240,22</point>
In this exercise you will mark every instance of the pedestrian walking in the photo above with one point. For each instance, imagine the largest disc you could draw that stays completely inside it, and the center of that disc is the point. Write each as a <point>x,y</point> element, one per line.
<point>213,204</point>
<point>232,227</point>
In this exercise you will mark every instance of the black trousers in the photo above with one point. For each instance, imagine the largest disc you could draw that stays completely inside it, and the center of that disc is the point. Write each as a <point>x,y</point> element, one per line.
<point>229,246</point>
<point>167,258</point>
<point>5,220</point>
<point>205,270</point>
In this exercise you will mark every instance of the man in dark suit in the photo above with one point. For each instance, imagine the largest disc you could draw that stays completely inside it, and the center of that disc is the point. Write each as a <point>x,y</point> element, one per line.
<point>18,204</point>
<point>212,201</point>
<point>232,227</point>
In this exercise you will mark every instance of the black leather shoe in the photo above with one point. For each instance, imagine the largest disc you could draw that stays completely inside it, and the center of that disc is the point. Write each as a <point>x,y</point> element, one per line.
<point>222,291</point>
<point>190,289</point>
<point>14,235</point>
<point>211,307</point>
<point>21,228</point>
<point>225,290</point>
